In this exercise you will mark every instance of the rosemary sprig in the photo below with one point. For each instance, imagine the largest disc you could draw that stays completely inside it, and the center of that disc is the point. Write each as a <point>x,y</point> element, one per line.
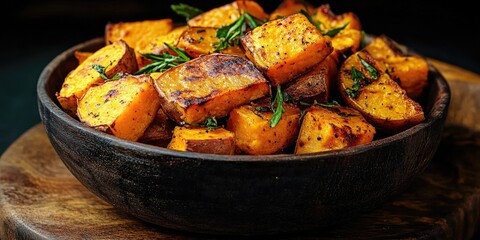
<point>331,33</point>
<point>163,61</point>
<point>230,35</point>
<point>325,104</point>
<point>278,110</point>
<point>373,72</point>
<point>356,77</point>
<point>209,123</point>
<point>101,70</point>
<point>186,10</point>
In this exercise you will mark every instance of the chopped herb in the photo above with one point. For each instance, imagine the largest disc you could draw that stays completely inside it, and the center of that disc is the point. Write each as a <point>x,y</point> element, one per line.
<point>278,110</point>
<point>186,10</point>
<point>209,123</point>
<point>373,72</point>
<point>356,77</point>
<point>101,70</point>
<point>164,61</point>
<point>315,102</point>
<point>332,32</point>
<point>363,42</point>
<point>201,31</point>
<point>263,109</point>
<point>230,35</point>
<point>200,39</point>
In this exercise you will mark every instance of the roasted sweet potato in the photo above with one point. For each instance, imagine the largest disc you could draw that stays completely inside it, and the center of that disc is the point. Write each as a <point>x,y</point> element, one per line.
<point>137,34</point>
<point>202,140</point>
<point>116,58</point>
<point>209,86</point>
<point>347,41</point>
<point>199,41</point>
<point>330,20</point>
<point>365,87</point>
<point>330,128</point>
<point>317,84</point>
<point>286,48</point>
<point>228,13</point>
<point>410,71</point>
<point>289,7</point>
<point>82,56</point>
<point>159,132</point>
<point>124,107</point>
<point>253,134</point>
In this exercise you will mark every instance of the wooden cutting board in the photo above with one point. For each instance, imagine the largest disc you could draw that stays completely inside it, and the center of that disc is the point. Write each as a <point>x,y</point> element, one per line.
<point>41,199</point>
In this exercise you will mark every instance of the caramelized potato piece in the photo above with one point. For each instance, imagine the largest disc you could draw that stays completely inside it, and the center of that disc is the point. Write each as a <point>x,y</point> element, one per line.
<point>253,134</point>
<point>209,86</point>
<point>227,14</point>
<point>116,58</point>
<point>380,99</point>
<point>82,56</point>
<point>289,7</point>
<point>411,72</point>
<point>330,20</point>
<point>199,41</point>
<point>157,45</point>
<point>330,128</point>
<point>137,34</point>
<point>160,131</point>
<point>202,140</point>
<point>347,41</point>
<point>316,84</point>
<point>286,48</point>
<point>124,107</point>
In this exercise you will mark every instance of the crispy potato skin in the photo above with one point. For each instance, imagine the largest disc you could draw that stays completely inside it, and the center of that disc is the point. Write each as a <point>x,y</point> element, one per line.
<point>286,48</point>
<point>253,134</point>
<point>202,140</point>
<point>317,84</point>
<point>199,41</point>
<point>330,20</point>
<point>211,85</point>
<point>82,56</point>
<point>124,107</point>
<point>411,72</point>
<point>228,13</point>
<point>116,58</point>
<point>289,7</point>
<point>325,129</point>
<point>159,132</point>
<point>382,101</point>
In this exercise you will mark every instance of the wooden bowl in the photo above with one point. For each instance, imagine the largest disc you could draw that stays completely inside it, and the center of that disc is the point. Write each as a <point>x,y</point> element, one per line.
<point>245,195</point>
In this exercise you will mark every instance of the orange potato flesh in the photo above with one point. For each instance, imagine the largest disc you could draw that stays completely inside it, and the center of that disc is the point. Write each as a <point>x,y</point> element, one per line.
<point>330,20</point>
<point>253,134</point>
<point>209,86</point>
<point>382,101</point>
<point>197,41</point>
<point>116,58</point>
<point>286,48</point>
<point>138,33</point>
<point>202,140</point>
<point>124,107</point>
<point>325,129</point>
<point>347,41</point>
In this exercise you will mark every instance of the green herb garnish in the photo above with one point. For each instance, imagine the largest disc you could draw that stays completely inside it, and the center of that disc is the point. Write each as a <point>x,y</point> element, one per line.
<point>101,70</point>
<point>230,35</point>
<point>363,42</point>
<point>356,77</point>
<point>163,61</point>
<point>373,72</point>
<point>332,32</point>
<point>209,123</point>
<point>315,102</point>
<point>186,10</point>
<point>278,110</point>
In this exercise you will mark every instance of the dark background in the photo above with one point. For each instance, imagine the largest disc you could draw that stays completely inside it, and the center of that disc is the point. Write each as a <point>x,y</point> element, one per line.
<point>34,32</point>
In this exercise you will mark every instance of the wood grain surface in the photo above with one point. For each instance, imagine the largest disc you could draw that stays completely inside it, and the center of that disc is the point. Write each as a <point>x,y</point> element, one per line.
<point>40,199</point>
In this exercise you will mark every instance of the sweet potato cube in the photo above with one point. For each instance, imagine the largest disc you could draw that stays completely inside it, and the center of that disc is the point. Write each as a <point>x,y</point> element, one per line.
<point>116,58</point>
<point>198,41</point>
<point>124,108</point>
<point>137,34</point>
<point>347,41</point>
<point>289,7</point>
<point>203,140</point>
<point>209,86</point>
<point>253,134</point>
<point>410,71</point>
<point>228,13</point>
<point>330,128</point>
<point>330,20</point>
<point>317,84</point>
<point>284,49</point>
